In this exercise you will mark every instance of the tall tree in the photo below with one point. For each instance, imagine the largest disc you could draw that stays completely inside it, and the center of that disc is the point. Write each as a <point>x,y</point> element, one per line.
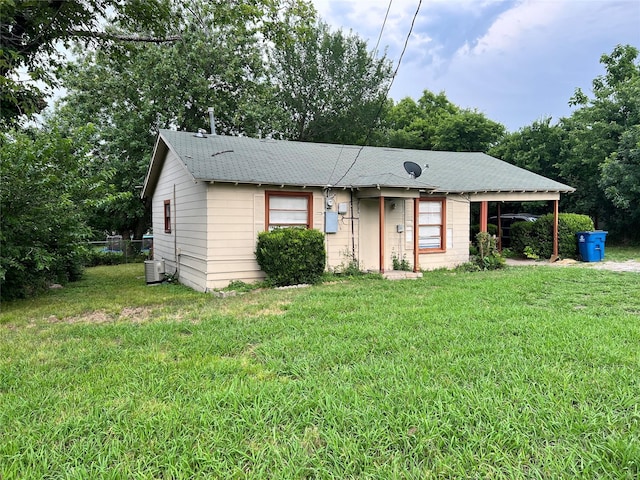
<point>329,86</point>
<point>595,132</point>
<point>540,148</point>
<point>35,33</point>
<point>620,180</point>
<point>130,90</point>
<point>594,150</point>
<point>468,131</point>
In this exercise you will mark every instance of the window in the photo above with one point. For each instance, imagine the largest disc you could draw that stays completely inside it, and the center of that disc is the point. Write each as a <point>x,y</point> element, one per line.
<point>431,223</point>
<point>167,216</point>
<point>288,209</point>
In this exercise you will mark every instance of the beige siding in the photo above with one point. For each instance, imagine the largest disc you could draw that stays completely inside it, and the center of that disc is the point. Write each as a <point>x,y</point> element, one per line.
<point>457,252</point>
<point>339,245</point>
<point>215,228</point>
<point>237,214</point>
<point>184,249</point>
<point>514,196</point>
<point>399,211</point>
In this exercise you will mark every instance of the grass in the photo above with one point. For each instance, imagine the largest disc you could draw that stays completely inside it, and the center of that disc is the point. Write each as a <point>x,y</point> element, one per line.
<point>529,372</point>
<point>617,253</point>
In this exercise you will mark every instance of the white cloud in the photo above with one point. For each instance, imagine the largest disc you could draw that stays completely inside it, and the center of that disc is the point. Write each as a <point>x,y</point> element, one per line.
<point>517,27</point>
<point>516,60</point>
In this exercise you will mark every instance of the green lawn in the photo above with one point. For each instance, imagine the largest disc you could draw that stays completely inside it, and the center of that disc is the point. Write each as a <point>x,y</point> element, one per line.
<point>529,372</point>
<point>617,253</point>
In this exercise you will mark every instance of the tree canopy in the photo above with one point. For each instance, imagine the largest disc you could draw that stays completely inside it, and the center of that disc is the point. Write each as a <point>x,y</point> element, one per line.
<point>595,131</point>
<point>34,35</point>
<point>595,149</point>
<point>329,86</point>
<point>536,147</point>
<point>435,123</point>
<point>130,90</point>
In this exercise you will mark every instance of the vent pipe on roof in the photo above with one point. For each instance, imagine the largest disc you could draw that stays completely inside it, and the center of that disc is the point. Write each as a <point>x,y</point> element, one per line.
<point>212,121</point>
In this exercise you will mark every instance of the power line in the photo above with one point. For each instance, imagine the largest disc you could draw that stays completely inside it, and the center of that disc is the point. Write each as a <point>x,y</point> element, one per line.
<point>384,22</point>
<point>375,53</point>
<point>395,73</point>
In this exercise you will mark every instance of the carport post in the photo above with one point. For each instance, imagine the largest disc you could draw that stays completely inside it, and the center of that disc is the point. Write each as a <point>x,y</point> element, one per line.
<point>555,255</point>
<point>416,235</point>
<point>381,232</point>
<point>499,222</point>
<point>484,215</point>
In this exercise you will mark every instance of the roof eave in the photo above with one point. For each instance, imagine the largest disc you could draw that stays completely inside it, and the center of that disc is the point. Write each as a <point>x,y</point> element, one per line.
<point>512,190</point>
<point>311,185</point>
<point>259,183</point>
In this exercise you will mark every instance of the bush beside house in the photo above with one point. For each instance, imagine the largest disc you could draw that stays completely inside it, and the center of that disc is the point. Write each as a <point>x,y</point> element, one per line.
<point>536,238</point>
<point>291,256</point>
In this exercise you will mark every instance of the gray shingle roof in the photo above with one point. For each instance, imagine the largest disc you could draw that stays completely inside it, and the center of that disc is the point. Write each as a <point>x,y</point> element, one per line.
<point>222,158</point>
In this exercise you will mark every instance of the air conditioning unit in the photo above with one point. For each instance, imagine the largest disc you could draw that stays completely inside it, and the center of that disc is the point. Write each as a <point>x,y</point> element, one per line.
<point>154,271</point>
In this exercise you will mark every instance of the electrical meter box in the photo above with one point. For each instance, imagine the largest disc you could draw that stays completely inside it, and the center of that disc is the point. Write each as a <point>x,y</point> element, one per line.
<point>330,222</point>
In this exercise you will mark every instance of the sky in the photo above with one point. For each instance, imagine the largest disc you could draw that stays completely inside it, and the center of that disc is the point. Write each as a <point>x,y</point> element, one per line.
<point>516,61</point>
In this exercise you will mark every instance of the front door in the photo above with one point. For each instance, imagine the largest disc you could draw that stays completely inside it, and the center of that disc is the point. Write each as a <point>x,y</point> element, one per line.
<point>369,234</point>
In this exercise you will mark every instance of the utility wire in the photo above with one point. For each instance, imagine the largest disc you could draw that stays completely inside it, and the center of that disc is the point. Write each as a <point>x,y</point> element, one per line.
<point>395,73</point>
<point>375,53</point>
<point>384,22</point>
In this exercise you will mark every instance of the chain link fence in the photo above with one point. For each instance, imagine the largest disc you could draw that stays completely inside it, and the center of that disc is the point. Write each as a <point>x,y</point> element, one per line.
<point>116,250</point>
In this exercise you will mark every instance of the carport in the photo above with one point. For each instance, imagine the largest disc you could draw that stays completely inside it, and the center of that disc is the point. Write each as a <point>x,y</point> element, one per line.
<point>500,197</point>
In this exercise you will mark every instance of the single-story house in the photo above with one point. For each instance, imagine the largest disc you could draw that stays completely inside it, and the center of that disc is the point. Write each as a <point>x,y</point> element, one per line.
<point>211,194</point>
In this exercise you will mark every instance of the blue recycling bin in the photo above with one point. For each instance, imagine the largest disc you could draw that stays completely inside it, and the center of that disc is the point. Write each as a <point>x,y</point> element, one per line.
<point>591,245</point>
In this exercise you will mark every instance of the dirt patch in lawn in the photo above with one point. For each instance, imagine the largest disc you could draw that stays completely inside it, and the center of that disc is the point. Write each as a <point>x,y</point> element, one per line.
<point>135,315</point>
<point>254,306</point>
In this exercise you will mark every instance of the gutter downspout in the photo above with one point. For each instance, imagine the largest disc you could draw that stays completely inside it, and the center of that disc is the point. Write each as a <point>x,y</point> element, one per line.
<point>176,253</point>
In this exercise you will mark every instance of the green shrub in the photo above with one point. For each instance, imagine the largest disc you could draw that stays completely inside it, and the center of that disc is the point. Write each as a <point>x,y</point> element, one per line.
<point>69,266</point>
<point>351,269</point>
<point>467,267</point>
<point>491,228</point>
<point>488,256</point>
<point>536,238</point>
<point>101,257</point>
<point>290,256</point>
<point>401,263</point>
<point>521,234</point>
<point>41,203</point>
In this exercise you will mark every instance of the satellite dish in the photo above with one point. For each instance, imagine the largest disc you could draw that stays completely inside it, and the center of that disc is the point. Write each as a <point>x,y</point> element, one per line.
<point>413,169</point>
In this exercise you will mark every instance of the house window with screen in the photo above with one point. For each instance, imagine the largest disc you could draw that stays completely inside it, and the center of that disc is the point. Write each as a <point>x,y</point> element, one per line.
<point>167,216</point>
<point>288,209</point>
<point>431,223</point>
